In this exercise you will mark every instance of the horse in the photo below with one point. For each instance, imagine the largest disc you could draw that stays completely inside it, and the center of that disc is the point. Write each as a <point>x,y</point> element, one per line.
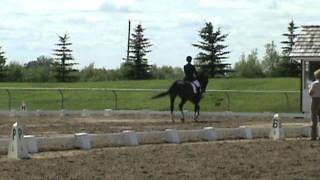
<point>184,90</point>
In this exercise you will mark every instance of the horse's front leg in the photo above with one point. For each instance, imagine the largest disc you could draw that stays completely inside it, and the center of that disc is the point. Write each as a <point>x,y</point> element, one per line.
<point>181,109</point>
<point>172,98</point>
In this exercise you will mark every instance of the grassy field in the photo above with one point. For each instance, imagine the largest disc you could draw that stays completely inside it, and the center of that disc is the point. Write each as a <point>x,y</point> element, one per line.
<point>51,100</point>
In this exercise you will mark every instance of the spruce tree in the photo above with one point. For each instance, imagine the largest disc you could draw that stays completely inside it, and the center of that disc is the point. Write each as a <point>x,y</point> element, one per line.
<point>3,67</point>
<point>63,61</point>
<point>288,67</point>
<point>137,63</point>
<point>212,56</point>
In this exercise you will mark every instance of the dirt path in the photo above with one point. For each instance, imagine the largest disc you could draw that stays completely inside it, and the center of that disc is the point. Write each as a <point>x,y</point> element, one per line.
<point>257,159</point>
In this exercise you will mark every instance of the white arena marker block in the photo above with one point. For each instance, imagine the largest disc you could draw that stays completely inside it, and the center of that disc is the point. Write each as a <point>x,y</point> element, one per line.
<point>172,136</point>
<point>31,143</point>
<point>277,132</point>
<point>84,113</point>
<point>209,134</point>
<point>245,132</point>
<point>107,112</point>
<point>82,141</point>
<point>38,112</point>
<point>130,138</point>
<point>12,113</point>
<point>62,113</point>
<point>17,148</point>
<point>306,131</point>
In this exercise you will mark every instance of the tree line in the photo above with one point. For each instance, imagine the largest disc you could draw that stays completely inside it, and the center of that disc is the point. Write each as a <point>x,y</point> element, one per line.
<point>212,58</point>
<point>273,63</point>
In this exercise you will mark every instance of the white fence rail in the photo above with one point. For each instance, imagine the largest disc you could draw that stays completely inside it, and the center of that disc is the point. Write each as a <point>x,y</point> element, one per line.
<point>116,93</point>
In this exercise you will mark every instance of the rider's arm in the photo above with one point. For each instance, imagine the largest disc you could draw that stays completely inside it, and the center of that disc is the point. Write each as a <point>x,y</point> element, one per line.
<point>195,71</point>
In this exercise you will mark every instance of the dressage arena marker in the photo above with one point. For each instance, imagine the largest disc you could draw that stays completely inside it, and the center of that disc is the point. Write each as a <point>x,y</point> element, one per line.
<point>209,134</point>
<point>82,141</point>
<point>31,143</point>
<point>17,148</point>
<point>172,136</point>
<point>277,132</point>
<point>23,106</point>
<point>130,138</point>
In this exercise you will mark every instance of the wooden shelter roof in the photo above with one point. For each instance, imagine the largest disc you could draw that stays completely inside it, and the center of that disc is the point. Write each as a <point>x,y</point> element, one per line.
<point>308,43</point>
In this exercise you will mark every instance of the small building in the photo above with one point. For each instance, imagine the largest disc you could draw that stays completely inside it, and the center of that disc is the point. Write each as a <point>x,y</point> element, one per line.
<point>307,50</point>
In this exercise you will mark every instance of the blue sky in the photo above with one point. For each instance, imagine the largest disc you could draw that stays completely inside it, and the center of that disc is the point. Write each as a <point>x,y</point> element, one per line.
<point>98,28</point>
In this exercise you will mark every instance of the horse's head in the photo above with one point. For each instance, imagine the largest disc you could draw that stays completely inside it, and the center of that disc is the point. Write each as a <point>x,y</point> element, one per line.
<point>203,79</point>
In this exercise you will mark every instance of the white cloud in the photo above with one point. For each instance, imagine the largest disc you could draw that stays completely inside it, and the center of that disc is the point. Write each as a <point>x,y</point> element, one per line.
<point>121,3</point>
<point>237,4</point>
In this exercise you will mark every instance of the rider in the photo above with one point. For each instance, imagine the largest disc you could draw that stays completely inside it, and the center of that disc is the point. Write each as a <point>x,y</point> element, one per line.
<point>191,75</point>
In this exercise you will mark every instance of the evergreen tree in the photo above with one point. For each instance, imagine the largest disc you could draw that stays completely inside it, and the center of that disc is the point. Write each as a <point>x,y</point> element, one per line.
<point>137,65</point>
<point>291,36</point>
<point>3,67</point>
<point>213,54</point>
<point>288,67</point>
<point>64,60</point>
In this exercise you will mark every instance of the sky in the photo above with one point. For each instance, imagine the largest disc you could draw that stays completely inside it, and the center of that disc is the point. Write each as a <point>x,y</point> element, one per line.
<point>98,28</point>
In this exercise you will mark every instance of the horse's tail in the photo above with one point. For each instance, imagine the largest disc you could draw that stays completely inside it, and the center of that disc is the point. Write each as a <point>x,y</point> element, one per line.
<point>165,93</point>
<point>161,95</point>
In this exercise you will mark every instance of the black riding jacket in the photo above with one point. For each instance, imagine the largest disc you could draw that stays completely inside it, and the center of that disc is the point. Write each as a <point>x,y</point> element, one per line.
<point>190,72</point>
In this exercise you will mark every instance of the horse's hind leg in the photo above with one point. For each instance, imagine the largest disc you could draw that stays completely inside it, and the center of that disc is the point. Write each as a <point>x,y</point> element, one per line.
<point>172,98</point>
<point>183,101</point>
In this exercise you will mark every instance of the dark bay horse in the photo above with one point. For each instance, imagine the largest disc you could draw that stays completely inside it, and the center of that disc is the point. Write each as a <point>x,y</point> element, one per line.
<point>184,90</point>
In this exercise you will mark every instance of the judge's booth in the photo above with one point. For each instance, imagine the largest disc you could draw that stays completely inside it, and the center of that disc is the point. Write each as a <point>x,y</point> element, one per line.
<point>306,49</point>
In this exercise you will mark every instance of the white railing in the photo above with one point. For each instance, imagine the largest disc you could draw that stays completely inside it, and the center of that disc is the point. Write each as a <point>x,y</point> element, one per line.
<point>116,92</point>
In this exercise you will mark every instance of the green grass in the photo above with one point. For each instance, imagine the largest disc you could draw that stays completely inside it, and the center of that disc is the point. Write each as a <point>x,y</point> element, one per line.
<point>51,100</point>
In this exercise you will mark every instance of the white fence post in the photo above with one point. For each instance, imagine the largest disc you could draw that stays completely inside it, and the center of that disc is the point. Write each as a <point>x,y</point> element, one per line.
<point>82,141</point>
<point>306,131</point>
<point>130,138</point>
<point>209,134</point>
<point>172,136</point>
<point>62,113</point>
<point>245,132</point>
<point>31,143</point>
<point>107,112</point>
<point>84,113</point>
